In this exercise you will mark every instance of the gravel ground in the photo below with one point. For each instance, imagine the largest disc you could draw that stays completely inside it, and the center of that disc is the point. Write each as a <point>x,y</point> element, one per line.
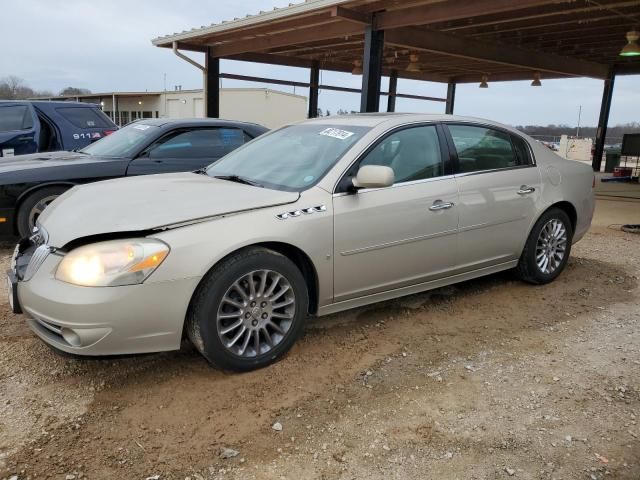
<point>488,379</point>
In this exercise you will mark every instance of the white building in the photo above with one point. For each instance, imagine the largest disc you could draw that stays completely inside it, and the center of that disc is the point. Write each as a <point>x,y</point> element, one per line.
<point>267,107</point>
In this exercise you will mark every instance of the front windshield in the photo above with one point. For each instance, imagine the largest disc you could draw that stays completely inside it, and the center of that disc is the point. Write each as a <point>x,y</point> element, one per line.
<point>292,158</point>
<point>122,143</point>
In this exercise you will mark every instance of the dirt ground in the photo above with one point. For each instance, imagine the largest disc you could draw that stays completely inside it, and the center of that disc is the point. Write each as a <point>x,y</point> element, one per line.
<point>488,379</point>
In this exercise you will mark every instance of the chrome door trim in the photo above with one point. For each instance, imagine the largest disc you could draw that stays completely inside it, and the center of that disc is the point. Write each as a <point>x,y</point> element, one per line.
<point>397,185</point>
<point>397,243</point>
<point>493,170</point>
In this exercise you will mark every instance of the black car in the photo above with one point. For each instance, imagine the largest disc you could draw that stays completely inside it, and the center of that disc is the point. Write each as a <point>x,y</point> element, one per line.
<point>31,126</point>
<point>30,182</point>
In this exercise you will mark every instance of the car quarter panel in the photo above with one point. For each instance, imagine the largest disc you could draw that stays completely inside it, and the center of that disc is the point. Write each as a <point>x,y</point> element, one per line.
<point>196,248</point>
<point>567,181</point>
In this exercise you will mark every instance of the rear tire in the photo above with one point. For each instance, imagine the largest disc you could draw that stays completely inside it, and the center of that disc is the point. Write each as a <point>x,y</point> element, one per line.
<point>33,206</point>
<point>249,310</point>
<point>547,249</point>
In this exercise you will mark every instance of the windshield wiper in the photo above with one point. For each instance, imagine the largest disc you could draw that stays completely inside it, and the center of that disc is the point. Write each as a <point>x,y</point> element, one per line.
<point>238,179</point>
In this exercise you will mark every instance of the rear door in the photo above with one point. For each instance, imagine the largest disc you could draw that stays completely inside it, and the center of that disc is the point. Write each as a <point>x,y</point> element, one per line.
<point>19,129</point>
<point>499,188</point>
<point>187,150</point>
<point>81,125</point>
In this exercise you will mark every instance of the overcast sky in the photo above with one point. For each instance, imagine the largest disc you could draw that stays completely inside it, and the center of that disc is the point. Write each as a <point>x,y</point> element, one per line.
<point>106,46</point>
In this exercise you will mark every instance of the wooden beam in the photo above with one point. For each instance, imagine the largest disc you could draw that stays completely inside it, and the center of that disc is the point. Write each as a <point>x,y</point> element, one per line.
<point>448,11</point>
<point>457,46</point>
<point>350,15</point>
<point>266,42</point>
<point>504,77</point>
<point>627,68</point>
<point>528,17</point>
<point>272,59</point>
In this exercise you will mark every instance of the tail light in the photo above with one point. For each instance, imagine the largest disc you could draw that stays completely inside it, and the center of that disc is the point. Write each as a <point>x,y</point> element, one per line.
<point>108,132</point>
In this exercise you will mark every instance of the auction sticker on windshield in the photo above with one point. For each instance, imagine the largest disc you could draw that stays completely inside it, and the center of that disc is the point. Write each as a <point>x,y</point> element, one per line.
<point>336,133</point>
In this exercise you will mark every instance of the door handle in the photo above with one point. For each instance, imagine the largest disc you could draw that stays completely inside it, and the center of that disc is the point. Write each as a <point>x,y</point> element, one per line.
<point>526,190</point>
<point>440,205</point>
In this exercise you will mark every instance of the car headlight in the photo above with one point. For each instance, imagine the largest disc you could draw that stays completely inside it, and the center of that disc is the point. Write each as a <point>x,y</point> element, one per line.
<point>112,263</point>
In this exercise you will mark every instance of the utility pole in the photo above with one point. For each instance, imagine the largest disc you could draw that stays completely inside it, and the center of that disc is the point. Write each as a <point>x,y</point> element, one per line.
<point>579,118</point>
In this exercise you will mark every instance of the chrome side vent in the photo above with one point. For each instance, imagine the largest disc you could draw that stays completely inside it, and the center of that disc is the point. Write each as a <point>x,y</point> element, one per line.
<point>303,211</point>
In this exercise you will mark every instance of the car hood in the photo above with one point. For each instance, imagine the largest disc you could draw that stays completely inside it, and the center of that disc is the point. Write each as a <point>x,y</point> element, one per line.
<point>150,202</point>
<point>42,160</point>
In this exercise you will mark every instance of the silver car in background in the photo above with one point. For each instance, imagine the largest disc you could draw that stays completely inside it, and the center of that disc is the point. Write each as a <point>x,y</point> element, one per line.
<point>311,219</point>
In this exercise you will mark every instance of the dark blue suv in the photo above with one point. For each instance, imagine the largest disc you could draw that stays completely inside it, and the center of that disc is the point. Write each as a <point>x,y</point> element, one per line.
<point>42,126</point>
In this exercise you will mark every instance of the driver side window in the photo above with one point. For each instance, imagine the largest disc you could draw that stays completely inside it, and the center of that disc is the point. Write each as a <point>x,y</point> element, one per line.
<point>413,154</point>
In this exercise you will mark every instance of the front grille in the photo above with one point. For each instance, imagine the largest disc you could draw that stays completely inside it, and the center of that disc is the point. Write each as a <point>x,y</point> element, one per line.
<point>37,259</point>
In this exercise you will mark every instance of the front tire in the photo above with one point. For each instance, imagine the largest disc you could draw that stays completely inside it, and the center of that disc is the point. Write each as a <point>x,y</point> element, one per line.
<point>33,206</point>
<point>547,249</point>
<point>249,310</point>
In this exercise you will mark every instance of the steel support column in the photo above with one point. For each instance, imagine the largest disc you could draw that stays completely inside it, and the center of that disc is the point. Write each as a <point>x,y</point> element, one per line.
<point>212,86</point>
<point>603,122</point>
<point>371,69</point>
<point>314,82</point>
<point>393,91</point>
<point>451,98</point>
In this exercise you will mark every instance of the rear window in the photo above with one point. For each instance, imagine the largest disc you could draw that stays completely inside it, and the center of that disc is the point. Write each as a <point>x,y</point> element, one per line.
<point>84,117</point>
<point>15,117</point>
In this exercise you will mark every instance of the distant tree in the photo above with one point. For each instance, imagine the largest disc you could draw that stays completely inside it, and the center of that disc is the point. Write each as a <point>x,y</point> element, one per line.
<point>69,91</point>
<point>320,114</point>
<point>14,88</point>
<point>328,113</point>
<point>43,93</point>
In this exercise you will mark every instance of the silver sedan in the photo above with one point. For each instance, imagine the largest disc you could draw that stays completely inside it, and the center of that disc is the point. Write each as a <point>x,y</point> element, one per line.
<point>308,220</point>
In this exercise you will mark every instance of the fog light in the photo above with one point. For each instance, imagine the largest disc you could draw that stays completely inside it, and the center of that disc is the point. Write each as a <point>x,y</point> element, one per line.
<point>71,337</point>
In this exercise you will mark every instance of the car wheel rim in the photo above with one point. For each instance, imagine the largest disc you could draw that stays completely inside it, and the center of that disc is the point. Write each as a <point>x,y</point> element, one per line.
<point>551,246</point>
<point>38,208</point>
<point>256,313</point>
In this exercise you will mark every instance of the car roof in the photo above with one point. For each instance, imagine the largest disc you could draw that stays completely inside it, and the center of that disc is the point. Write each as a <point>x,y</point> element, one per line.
<point>52,103</point>
<point>393,119</point>
<point>195,122</point>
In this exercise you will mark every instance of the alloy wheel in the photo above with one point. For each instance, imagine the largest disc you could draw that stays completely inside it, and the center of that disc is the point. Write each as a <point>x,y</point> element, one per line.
<point>38,208</point>
<point>551,246</point>
<point>255,313</point>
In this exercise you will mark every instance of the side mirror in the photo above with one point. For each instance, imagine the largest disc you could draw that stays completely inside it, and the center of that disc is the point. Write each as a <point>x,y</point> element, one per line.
<point>374,176</point>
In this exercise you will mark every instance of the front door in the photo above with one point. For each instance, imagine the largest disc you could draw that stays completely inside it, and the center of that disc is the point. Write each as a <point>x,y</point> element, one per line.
<point>402,235</point>
<point>499,188</point>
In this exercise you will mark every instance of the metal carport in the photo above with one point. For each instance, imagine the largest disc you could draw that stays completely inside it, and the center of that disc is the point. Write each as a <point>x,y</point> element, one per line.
<point>447,41</point>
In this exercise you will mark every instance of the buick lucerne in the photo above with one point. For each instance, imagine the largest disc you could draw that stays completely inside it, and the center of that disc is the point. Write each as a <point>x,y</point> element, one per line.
<point>311,219</point>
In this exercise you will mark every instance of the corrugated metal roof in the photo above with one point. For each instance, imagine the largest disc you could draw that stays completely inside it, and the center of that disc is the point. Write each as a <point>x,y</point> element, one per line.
<point>276,14</point>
